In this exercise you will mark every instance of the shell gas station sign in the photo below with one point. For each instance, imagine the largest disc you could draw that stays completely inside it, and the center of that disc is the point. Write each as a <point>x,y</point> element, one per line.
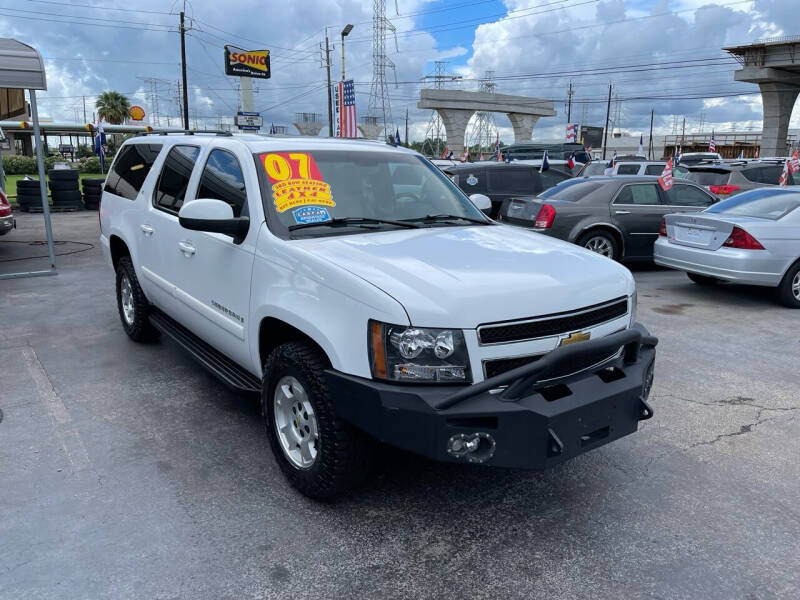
<point>247,63</point>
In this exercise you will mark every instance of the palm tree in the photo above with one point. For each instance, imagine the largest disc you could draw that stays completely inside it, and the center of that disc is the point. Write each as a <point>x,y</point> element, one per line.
<point>112,107</point>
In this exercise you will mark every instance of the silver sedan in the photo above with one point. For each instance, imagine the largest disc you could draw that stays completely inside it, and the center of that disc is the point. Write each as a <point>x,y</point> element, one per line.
<point>753,238</point>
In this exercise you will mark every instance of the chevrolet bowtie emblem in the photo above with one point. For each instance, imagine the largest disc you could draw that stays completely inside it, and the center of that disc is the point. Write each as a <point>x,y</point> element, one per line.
<point>578,336</point>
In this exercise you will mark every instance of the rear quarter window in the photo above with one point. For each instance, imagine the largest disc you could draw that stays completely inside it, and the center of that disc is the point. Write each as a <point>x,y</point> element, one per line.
<point>628,170</point>
<point>130,169</point>
<point>573,190</point>
<point>709,177</point>
<point>552,177</point>
<point>763,174</point>
<point>505,180</point>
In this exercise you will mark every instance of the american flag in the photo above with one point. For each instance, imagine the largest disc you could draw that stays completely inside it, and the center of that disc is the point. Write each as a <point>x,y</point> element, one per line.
<point>712,146</point>
<point>783,181</point>
<point>794,162</point>
<point>665,181</point>
<point>346,109</point>
<point>572,132</point>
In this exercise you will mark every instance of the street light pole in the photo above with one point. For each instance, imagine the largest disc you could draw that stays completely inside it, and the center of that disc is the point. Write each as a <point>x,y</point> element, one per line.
<point>345,32</point>
<point>330,100</point>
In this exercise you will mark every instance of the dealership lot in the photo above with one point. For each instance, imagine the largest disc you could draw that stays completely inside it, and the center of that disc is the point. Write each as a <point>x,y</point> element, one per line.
<point>128,471</point>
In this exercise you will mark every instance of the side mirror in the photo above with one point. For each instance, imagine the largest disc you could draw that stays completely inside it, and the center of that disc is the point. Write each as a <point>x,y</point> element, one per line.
<point>214,216</point>
<point>481,202</point>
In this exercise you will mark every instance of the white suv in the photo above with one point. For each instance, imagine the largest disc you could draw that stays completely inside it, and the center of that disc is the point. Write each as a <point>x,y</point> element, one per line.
<point>364,297</point>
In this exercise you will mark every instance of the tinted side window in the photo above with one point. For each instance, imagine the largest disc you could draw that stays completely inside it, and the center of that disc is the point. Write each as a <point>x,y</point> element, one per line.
<point>223,179</point>
<point>646,195</point>
<point>654,169</point>
<point>550,178</point>
<point>174,178</point>
<point>511,181</point>
<point>686,195</point>
<point>130,169</point>
<point>763,174</point>
<point>628,170</point>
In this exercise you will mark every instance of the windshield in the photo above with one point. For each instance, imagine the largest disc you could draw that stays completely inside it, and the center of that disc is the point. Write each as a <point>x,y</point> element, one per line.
<point>763,203</point>
<point>594,168</point>
<point>331,186</point>
<point>572,190</point>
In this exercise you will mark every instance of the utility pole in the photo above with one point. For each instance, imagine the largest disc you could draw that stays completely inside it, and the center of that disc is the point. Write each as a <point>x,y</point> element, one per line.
<point>683,134</point>
<point>650,141</point>
<point>608,117</point>
<point>84,109</point>
<point>570,91</point>
<point>328,68</point>
<point>406,128</point>
<point>183,74</point>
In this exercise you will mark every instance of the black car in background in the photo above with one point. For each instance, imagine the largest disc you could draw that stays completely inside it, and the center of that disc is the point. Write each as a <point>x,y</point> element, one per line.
<point>617,216</point>
<point>535,151</point>
<point>501,181</point>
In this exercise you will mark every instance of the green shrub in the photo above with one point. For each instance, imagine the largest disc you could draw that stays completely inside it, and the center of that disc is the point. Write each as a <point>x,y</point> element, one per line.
<point>26,165</point>
<point>90,164</point>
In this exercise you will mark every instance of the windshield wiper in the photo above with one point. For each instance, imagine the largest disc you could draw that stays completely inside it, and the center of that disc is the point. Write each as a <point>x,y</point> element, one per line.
<point>344,221</point>
<point>440,218</point>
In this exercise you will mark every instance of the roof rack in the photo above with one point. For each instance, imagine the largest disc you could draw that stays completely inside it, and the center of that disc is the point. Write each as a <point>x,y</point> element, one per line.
<point>219,132</point>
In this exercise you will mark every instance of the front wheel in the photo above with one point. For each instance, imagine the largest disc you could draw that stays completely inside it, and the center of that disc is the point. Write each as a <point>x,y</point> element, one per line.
<point>134,309</point>
<point>320,454</point>
<point>789,289</point>
<point>600,242</point>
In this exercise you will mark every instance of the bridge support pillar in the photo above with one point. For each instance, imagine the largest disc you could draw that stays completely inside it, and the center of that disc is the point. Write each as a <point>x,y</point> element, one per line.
<point>778,100</point>
<point>523,126</point>
<point>455,125</point>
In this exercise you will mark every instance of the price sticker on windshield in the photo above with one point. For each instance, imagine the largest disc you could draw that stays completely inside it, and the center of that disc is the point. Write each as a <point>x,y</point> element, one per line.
<point>296,180</point>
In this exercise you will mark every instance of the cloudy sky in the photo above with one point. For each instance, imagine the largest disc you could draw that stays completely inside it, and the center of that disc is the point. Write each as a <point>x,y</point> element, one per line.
<point>658,54</point>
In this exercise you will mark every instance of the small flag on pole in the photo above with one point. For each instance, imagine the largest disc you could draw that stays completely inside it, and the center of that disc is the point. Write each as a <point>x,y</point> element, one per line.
<point>712,146</point>
<point>610,166</point>
<point>545,163</point>
<point>641,144</point>
<point>665,180</point>
<point>99,144</point>
<point>783,181</point>
<point>571,161</point>
<point>741,154</point>
<point>794,162</point>
<point>397,138</point>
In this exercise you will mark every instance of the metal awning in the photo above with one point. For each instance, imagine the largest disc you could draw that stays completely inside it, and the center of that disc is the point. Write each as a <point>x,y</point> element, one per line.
<point>21,66</point>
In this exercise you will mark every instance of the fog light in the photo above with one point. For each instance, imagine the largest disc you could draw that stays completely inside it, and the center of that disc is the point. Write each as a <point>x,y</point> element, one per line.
<point>472,447</point>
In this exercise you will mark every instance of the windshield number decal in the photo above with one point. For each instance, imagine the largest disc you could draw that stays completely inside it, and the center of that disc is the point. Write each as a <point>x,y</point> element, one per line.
<point>296,181</point>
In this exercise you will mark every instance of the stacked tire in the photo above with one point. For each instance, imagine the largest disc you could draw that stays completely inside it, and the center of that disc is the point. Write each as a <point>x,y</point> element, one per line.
<point>64,188</point>
<point>92,190</point>
<point>28,195</point>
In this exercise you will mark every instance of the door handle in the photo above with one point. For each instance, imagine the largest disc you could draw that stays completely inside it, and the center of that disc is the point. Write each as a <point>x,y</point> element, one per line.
<point>147,230</point>
<point>187,248</point>
<point>622,212</point>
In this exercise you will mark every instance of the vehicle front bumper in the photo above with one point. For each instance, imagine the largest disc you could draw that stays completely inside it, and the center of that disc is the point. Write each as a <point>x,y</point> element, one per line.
<point>752,267</point>
<point>525,418</point>
<point>7,223</point>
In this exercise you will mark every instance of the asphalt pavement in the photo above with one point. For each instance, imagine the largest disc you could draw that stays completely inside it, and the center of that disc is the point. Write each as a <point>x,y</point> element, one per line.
<point>127,471</point>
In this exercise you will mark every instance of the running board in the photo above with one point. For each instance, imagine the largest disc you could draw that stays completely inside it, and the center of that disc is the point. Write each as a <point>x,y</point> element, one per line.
<point>230,373</point>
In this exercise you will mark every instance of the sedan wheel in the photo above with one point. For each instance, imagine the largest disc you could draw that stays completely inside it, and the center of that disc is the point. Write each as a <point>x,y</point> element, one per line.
<point>600,242</point>
<point>789,289</point>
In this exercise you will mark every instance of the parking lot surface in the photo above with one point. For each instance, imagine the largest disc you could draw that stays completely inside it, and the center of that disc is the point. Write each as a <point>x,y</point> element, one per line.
<point>127,471</point>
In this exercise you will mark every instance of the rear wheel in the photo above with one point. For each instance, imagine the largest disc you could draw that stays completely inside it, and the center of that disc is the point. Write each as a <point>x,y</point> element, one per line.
<point>320,454</point>
<point>601,242</point>
<point>789,289</point>
<point>702,279</point>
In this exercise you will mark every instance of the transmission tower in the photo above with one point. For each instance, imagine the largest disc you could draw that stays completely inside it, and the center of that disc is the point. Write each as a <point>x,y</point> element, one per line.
<point>435,132</point>
<point>379,113</point>
<point>483,132</point>
<point>152,93</point>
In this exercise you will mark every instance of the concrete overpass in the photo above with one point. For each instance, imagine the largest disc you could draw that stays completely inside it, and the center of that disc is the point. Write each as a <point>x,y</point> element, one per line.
<point>773,64</point>
<point>456,108</point>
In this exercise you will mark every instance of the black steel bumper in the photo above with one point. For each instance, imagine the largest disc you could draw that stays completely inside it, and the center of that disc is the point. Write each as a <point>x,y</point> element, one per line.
<point>526,418</point>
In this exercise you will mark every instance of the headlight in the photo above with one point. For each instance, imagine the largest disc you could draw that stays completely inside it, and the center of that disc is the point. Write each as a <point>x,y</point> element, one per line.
<point>633,306</point>
<point>403,353</point>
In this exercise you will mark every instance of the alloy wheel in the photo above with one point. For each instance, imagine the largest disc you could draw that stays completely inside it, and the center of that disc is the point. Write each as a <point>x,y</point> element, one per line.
<point>126,295</point>
<point>796,286</point>
<point>600,245</point>
<point>295,423</point>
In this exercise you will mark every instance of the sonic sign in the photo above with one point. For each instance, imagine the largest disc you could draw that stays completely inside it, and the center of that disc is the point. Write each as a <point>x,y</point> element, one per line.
<point>247,63</point>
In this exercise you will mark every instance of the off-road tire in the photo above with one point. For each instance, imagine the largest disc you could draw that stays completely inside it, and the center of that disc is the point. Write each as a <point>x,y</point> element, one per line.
<point>786,295</point>
<point>141,330</point>
<point>67,198</point>
<point>702,279</point>
<point>62,175</point>
<point>585,239</point>
<point>59,185</point>
<point>343,455</point>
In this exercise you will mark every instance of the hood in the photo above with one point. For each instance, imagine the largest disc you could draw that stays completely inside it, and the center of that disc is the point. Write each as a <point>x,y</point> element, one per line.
<point>462,277</point>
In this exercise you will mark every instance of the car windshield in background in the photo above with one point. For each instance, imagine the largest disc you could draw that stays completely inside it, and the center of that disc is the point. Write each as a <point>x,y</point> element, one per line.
<point>763,203</point>
<point>572,190</point>
<point>325,192</point>
<point>709,177</point>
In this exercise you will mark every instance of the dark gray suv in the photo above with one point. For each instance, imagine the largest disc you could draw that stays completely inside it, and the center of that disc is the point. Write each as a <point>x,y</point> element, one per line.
<point>728,179</point>
<point>618,216</point>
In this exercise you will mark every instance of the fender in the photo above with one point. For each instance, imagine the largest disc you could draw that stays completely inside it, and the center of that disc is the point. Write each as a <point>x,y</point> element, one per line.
<point>585,225</point>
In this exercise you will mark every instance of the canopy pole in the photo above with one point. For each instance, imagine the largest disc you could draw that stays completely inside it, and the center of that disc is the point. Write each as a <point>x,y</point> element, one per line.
<point>42,185</point>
